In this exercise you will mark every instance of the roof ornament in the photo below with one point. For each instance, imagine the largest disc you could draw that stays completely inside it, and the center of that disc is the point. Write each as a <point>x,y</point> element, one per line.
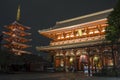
<point>18,13</point>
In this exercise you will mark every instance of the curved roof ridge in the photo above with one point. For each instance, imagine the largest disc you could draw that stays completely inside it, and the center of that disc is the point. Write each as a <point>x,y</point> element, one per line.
<point>85,16</point>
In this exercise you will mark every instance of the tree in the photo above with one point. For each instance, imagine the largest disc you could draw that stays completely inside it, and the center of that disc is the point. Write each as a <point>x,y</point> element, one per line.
<point>113,29</point>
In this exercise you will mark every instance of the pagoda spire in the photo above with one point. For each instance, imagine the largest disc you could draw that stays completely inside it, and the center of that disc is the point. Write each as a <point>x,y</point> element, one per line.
<point>18,13</point>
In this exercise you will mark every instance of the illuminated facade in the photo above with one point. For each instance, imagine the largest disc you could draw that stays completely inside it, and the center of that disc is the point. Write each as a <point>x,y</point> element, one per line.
<point>15,38</point>
<point>79,42</point>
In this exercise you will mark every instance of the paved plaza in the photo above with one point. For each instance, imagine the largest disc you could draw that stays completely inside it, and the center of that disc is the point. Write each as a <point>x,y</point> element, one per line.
<point>51,76</point>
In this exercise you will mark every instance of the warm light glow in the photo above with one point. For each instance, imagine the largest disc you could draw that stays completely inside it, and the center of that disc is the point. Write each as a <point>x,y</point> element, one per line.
<point>78,52</point>
<point>104,24</point>
<point>110,62</point>
<point>67,53</point>
<point>72,35</point>
<point>71,59</point>
<point>103,30</point>
<point>67,36</point>
<point>58,37</point>
<point>72,52</point>
<point>77,34</point>
<point>96,58</point>
<point>82,56</point>
<point>62,37</point>
<point>84,33</point>
<point>96,31</point>
<point>91,32</point>
<point>57,54</point>
<point>13,29</point>
<point>61,63</point>
<point>13,35</point>
<point>61,54</point>
<point>18,53</point>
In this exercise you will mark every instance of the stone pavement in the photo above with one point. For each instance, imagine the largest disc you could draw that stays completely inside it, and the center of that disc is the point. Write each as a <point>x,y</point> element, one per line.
<point>51,76</point>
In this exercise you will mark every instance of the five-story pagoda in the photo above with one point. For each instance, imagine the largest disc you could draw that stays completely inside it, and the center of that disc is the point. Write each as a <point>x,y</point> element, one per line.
<point>15,36</point>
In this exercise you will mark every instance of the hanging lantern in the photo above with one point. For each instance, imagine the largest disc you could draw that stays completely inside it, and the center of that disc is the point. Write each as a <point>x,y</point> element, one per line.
<point>83,58</point>
<point>96,58</point>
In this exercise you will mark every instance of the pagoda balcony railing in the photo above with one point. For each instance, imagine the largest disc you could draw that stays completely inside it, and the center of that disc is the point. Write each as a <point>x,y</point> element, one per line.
<point>77,40</point>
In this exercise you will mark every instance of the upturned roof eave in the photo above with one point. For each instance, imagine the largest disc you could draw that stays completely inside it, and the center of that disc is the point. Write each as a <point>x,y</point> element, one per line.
<point>79,20</point>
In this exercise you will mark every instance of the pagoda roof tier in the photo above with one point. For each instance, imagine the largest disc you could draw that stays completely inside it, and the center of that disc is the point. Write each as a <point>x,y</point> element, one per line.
<point>10,33</point>
<point>20,44</point>
<point>17,39</point>
<point>16,25</point>
<point>78,22</point>
<point>20,51</point>
<point>23,32</point>
<point>68,46</point>
<point>16,45</point>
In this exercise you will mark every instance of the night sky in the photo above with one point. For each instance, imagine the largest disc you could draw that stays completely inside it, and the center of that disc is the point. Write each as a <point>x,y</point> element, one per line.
<point>42,14</point>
